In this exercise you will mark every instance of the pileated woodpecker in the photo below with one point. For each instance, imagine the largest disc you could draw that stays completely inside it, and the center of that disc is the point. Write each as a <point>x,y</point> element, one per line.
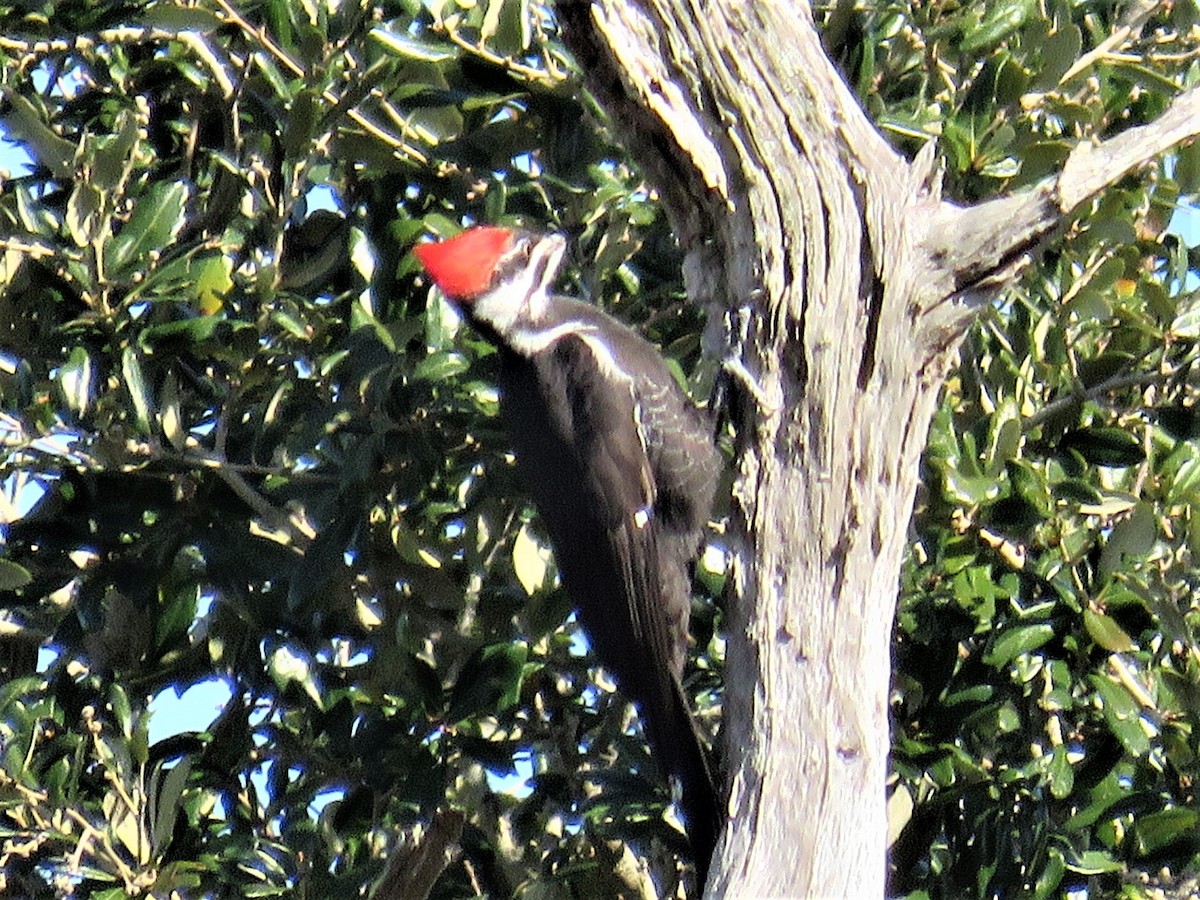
<point>622,468</point>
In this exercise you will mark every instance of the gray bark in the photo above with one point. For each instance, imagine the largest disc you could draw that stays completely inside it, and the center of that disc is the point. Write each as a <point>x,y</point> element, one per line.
<point>854,282</point>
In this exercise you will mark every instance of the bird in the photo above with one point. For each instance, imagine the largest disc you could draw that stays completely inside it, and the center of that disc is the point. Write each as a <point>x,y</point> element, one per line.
<point>622,468</point>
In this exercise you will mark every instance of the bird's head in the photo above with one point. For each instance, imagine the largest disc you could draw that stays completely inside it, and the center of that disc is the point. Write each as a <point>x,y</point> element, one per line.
<point>498,276</point>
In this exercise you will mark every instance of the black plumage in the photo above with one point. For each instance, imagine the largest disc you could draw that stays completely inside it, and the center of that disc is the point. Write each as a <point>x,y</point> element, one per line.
<point>623,470</point>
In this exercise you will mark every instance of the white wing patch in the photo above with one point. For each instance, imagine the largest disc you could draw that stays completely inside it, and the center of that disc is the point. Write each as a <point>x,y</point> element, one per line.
<point>642,517</point>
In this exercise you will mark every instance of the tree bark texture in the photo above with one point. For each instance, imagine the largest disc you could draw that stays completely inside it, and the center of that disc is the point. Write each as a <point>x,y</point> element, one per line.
<point>844,283</point>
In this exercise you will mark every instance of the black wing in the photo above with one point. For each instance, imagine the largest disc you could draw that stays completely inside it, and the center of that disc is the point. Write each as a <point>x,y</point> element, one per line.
<point>579,447</point>
<point>587,448</point>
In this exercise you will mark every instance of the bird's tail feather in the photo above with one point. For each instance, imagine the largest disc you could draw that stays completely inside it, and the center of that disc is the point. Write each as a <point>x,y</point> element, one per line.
<point>681,752</point>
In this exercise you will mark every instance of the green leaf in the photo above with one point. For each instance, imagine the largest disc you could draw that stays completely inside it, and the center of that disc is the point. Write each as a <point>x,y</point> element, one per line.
<point>1077,490</point>
<point>1092,296</point>
<point>1181,422</point>
<point>13,576</point>
<point>1029,484</point>
<point>302,122</point>
<point>440,365</point>
<point>1133,538</point>
<point>169,415</point>
<point>1159,830</point>
<point>1153,81</point>
<point>1122,714</point>
<point>323,559</point>
<point>411,546</point>
<point>410,48</point>
<point>288,665</point>
<point>1008,719</point>
<point>1106,632</point>
<point>1002,20</point>
<point>77,381</point>
<point>490,682</point>
<point>1005,438</point>
<point>1051,876</point>
<point>1056,56</point>
<point>139,391</point>
<point>157,218</point>
<point>178,598</point>
<point>114,155</point>
<point>1095,862</point>
<point>84,207</point>
<point>194,331</point>
<point>968,490</point>
<point>1104,446</point>
<point>508,27</point>
<point>293,323</point>
<point>1015,641</point>
<point>171,17</point>
<point>1103,367</point>
<point>24,123</point>
<point>212,279</point>
<point>530,561</point>
<point>1187,319</point>
<point>1187,168</point>
<point>1062,776</point>
<point>979,693</point>
<point>165,803</point>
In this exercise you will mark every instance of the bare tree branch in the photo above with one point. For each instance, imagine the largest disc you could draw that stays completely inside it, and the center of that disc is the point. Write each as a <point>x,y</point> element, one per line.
<point>981,245</point>
<point>412,871</point>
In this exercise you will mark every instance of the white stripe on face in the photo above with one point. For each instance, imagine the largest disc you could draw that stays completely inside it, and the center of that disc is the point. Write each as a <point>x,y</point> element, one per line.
<point>524,293</point>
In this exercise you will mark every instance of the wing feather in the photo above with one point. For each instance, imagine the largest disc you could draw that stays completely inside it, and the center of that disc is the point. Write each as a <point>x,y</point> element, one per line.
<point>621,540</point>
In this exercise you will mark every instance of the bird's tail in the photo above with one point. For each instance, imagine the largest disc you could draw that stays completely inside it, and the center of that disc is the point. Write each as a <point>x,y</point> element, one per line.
<point>681,752</point>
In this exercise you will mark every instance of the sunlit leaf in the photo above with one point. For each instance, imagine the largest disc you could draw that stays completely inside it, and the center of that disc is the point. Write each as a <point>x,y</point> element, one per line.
<point>1094,862</point>
<point>288,665</point>
<point>77,381</point>
<point>25,123</point>
<point>1106,632</point>
<point>156,218</point>
<point>529,561</point>
<point>1016,641</point>
<point>13,576</point>
<point>169,412</point>
<point>139,390</point>
<point>421,50</point>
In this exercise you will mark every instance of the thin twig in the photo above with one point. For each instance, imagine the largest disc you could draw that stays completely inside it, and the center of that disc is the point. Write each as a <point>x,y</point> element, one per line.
<point>1133,19</point>
<point>296,69</point>
<point>126,35</point>
<point>212,461</point>
<point>541,76</point>
<point>110,852</point>
<point>1079,396</point>
<point>36,251</point>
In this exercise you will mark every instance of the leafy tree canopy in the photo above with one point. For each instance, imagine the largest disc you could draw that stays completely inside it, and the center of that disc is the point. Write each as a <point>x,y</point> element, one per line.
<point>242,440</point>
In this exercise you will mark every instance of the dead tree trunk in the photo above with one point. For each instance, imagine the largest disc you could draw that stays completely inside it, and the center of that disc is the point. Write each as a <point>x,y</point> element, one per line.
<point>847,283</point>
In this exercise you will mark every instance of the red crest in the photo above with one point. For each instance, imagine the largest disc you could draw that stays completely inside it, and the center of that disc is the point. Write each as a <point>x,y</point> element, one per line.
<point>463,266</point>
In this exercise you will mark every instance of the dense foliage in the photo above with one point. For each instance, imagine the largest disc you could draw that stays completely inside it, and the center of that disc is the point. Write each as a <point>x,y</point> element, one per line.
<point>1048,669</point>
<point>240,439</point>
